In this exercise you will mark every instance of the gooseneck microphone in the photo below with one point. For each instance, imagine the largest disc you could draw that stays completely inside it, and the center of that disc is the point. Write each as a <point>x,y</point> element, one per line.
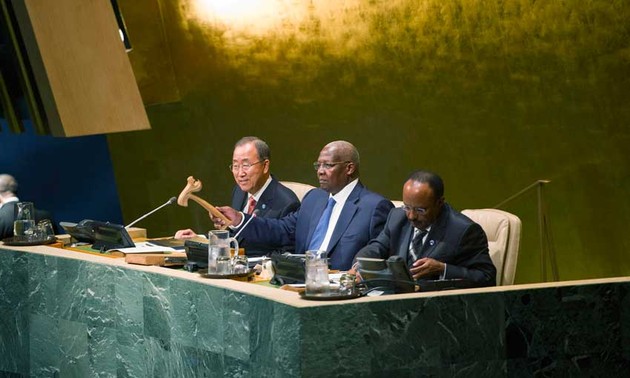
<point>171,201</point>
<point>246,223</point>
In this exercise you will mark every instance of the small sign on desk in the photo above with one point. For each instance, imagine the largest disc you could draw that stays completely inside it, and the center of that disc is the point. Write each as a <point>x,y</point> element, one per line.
<point>160,259</point>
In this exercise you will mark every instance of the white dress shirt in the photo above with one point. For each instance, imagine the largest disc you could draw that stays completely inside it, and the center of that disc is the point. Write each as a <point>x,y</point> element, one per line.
<point>340,200</point>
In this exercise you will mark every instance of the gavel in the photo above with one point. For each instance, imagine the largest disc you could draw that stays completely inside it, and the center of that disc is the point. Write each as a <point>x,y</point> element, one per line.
<point>194,186</point>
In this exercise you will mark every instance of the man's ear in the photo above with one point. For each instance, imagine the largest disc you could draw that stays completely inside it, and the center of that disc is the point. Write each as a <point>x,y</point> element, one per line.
<point>266,165</point>
<point>350,168</point>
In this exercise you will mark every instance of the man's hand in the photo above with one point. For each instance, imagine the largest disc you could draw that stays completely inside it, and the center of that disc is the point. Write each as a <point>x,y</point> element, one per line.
<point>185,234</point>
<point>426,266</point>
<point>234,216</point>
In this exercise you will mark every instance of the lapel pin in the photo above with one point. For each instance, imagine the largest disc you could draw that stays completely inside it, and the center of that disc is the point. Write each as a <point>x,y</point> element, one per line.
<point>431,242</point>
<point>264,206</point>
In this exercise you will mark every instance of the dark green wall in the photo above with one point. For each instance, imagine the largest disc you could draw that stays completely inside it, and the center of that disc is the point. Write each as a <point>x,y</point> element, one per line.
<point>493,95</point>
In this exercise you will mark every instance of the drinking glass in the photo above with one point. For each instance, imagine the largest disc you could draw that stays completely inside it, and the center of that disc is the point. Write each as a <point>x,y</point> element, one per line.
<point>24,222</point>
<point>347,283</point>
<point>240,264</point>
<point>317,281</point>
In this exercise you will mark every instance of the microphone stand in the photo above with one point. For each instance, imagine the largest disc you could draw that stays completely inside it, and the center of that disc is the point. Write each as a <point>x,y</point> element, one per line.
<point>246,223</point>
<point>169,202</point>
<point>547,250</point>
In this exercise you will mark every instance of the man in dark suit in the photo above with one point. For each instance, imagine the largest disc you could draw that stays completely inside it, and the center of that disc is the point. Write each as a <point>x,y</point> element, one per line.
<point>8,199</point>
<point>436,241</point>
<point>340,217</point>
<point>256,191</point>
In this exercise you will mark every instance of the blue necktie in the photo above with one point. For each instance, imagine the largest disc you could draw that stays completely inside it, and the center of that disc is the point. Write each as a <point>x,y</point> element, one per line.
<point>322,226</point>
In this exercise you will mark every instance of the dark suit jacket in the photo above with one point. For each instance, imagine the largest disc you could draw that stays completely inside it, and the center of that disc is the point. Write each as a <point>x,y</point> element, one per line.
<point>454,239</point>
<point>361,219</point>
<point>275,202</point>
<point>7,216</point>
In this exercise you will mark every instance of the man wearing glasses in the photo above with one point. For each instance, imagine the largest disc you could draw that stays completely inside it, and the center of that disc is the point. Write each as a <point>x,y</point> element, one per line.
<point>256,191</point>
<point>340,217</point>
<point>436,241</point>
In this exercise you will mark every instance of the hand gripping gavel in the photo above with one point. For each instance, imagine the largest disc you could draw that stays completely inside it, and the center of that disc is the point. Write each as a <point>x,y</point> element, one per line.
<point>194,186</point>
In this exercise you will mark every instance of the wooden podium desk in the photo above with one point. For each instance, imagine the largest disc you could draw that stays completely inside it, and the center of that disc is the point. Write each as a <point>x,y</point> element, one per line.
<point>81,315</point>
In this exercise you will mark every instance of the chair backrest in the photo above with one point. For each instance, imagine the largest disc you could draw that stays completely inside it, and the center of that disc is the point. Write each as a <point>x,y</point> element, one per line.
<point>298,188</point>
<point>397,203</point>
<point>504,235</point>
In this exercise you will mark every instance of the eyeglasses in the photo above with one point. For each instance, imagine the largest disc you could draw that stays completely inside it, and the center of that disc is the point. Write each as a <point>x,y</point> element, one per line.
<point>327,166</point>
<point>419,210</point>
<point>244,166</point>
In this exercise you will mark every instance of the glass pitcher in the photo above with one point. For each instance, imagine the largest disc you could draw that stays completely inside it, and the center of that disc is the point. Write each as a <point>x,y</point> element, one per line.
<point>219,255</point>
<point>317,281</point>
<point>24,222</point>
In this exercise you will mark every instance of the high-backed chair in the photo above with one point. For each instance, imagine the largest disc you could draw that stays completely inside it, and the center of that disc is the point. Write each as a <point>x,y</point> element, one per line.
<point>504,235</point>
<point>397,203</point>
<point>298,188</point>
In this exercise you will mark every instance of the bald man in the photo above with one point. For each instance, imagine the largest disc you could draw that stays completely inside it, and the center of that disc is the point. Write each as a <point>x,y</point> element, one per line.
<point>340,217</point>
<point>8,199</point>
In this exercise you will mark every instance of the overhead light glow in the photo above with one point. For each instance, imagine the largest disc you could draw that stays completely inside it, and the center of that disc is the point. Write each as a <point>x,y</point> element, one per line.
<point>251,15</point>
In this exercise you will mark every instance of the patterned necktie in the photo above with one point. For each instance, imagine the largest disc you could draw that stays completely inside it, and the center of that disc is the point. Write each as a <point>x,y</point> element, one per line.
<point>322,226</point>
<point>416,246</point>
<point>252,205</point>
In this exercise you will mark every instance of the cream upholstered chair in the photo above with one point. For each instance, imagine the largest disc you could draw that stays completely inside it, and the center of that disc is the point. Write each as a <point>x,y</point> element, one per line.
<point>298,188</point>
<point>504,235</point>
<point>397,203</point>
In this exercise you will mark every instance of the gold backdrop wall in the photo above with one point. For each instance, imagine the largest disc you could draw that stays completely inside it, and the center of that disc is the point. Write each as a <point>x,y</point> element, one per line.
<point>493,95</point>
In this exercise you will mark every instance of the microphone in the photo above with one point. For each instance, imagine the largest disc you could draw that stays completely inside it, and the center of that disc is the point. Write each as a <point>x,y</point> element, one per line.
<point>171,201</point>
<point>246,223</point>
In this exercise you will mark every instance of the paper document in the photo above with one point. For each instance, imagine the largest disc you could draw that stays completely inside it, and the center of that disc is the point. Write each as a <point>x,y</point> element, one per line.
<point>143,247</point>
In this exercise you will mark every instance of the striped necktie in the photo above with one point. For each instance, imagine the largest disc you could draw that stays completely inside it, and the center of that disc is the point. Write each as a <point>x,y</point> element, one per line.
<point>252,205</point>
<point>416,246</point>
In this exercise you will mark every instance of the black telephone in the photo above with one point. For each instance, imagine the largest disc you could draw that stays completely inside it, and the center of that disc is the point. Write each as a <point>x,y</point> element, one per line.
<point>390,276</point>
<point>103,235</point>
<point>110,236</point>
<point>82,231</point>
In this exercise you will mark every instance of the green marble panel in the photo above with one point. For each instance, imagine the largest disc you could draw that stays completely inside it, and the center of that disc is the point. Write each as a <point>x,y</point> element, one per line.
<point>102,351</point>
<point>207,364</point>
<point>44,340</point>
<point>14,340</point>
<point>184,309</point>
<point>209,334</point>
<point>70,283</point>
<point>237,317</point>
<point>625,322</point>
<point>73,346</point>
<point>132,360</point>
<point>285,330</point>
<point>111,321</point>
<point>13,279</point>
<point>42,285</point>
<point>568,330</point>
<point>100,295</point>
<point>129,307</point>
<point>261,347</point>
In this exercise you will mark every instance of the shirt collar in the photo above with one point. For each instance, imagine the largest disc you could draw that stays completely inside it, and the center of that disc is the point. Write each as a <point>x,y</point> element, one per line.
<point>260,192</point>
<point>416,230</point>
<point>9,199</point>
<point>343,194</point>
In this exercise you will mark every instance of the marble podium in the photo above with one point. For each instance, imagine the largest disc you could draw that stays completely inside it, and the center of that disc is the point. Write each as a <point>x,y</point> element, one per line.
<point>70,314</point>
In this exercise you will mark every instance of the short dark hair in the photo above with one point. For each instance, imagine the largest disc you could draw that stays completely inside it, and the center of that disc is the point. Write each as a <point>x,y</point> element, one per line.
<point>262,148</point>
<point>435,182</point>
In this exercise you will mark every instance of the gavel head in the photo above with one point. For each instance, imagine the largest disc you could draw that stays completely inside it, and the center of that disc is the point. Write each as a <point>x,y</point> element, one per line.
<point>192,186</point>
